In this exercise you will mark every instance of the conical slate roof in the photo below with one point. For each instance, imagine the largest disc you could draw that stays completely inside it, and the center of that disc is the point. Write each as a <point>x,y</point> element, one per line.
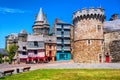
<point>45,20</point>
<point>40,16</point>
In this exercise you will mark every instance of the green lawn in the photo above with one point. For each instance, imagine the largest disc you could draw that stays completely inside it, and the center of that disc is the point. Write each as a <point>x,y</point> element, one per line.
<point>67,74</point>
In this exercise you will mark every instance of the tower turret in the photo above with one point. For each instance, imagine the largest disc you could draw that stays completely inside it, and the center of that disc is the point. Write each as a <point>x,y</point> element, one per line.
<point>41,25</point>
<point>88,35</point>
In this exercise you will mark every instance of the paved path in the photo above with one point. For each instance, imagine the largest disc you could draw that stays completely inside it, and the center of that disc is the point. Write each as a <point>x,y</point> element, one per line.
<point>62,64</point>
<point>70,65</point>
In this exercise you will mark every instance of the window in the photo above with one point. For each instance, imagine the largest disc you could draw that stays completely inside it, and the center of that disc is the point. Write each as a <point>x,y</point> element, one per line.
<point>35,51</point>
<point>50,40</point>
<point>24,48</point>
<point>102,41</point>
<point>23,53</point>
<point>66,56</point>
<point>88,42</point>
<point>99,27</point>
<point>41,44</point>
<point>58,32</point>
<point>67,32</point>
<point>50,46</point>
<point>61,56</point>
<point>58,26</point>
<point>59,40</point>
<point>100,58</point>
<point>50,53</point>
<point>35,43</point>
<point>107,53</point>
<point>62,33</point>
<point>34,30</point>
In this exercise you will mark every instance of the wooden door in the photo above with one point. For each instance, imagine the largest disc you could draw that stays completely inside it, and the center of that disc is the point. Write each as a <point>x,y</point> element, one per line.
<point>107,59</point>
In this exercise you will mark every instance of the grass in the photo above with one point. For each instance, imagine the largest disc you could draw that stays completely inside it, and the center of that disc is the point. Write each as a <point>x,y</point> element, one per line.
<point>67,74</point>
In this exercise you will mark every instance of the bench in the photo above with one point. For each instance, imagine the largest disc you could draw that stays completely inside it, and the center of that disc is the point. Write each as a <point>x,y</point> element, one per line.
<point>26,69</point>
<point>6,72</point>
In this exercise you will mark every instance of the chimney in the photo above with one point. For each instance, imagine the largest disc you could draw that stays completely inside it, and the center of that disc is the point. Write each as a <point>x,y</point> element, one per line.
<point>56,20</point>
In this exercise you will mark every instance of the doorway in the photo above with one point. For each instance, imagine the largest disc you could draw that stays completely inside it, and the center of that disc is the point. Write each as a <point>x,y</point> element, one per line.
<point>50,56</point>
<point>107,59</point>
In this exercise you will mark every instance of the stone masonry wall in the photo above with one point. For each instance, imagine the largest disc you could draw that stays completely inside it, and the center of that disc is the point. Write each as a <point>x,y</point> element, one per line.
<point>72,41</point>
<point>87,53</point>
<point>112,45</point>
<point>115,51</point>
<point>88,29</point>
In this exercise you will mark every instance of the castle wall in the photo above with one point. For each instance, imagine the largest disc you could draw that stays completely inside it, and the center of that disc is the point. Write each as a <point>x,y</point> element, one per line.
<point>87,53</point>
<point>115,51</point>
<point>112,45</point>
<point>88,29</point>
<point>72,41</point>
<point>88,36</point>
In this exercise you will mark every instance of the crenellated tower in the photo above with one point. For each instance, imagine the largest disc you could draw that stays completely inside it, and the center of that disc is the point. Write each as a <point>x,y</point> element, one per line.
<point>88,35</point>
<point>41,26</point>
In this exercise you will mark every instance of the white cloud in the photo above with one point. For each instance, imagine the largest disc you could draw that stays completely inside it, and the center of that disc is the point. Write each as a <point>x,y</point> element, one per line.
<point>11,10</point>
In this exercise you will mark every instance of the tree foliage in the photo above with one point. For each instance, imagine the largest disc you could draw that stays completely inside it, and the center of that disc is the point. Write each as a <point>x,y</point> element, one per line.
<point>0,58</point>
<point>11,51</point>
<point>50,34</point>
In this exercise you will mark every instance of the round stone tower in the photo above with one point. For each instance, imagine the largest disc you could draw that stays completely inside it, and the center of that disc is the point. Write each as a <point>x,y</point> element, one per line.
<point>88,35</point>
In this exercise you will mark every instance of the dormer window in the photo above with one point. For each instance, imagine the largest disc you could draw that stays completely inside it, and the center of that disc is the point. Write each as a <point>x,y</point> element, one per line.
<point>35,43</point>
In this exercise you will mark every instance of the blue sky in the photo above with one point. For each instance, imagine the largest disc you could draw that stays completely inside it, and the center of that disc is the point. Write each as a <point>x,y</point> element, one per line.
<point>16,15</point>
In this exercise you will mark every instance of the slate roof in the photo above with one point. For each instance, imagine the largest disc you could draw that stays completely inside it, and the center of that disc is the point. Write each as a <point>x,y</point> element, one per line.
<point>61,22</point>
<point>3,52</point>
<point>41,17</point>
<point>50,39</point>
<point>35,38</point>
<point>110,26</point>
<point>23,32</point>
<point>13,36</point>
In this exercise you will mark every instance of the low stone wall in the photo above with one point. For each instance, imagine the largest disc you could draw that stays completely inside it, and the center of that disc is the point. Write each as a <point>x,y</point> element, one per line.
<point>115,51</point>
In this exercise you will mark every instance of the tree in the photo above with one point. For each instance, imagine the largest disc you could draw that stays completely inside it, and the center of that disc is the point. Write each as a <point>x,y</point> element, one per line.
<point>0,58</point>
<point>51,34</point>
<point>11,51</point>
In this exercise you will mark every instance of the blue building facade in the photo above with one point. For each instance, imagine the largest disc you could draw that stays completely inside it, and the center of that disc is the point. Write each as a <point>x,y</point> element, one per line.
<point>62,32</point>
